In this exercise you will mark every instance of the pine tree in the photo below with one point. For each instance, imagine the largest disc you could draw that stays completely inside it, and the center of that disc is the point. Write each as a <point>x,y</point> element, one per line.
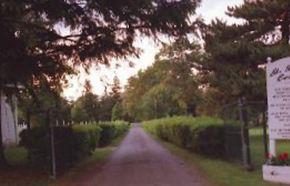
<point>237,53</point>
<point>33,50</point>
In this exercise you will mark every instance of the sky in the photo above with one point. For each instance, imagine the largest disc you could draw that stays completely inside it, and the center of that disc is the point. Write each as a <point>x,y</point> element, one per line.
<point>102,76</point>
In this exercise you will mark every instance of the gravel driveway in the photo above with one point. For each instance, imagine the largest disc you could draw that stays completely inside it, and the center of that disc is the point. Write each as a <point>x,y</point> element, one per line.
<point>141,161</point>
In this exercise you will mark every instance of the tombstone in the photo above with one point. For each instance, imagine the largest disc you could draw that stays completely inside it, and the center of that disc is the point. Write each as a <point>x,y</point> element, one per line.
<point>278,95</point>
<point>9,119</point>
<point>8,123</point>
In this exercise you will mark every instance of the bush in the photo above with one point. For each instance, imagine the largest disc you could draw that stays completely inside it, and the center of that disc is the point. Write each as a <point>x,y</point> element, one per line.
<point>71,144</point>
<point>36,141</point>
<point>86,138</point>
<point>204,135</point>
<point>111,130</point>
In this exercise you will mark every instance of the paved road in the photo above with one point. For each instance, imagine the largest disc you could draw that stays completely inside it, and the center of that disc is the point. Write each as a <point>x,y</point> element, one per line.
<point>141,161</point>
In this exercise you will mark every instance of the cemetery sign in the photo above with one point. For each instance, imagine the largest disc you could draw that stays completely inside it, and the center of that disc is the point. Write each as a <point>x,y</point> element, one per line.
<point>278,92</point>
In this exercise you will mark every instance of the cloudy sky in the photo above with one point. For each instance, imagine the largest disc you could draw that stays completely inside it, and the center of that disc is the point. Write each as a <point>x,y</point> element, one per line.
<point>102,76</point>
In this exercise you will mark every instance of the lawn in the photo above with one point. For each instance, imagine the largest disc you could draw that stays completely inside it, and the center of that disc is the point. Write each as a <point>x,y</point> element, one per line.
<point>19,173</point>
<point>224,173</point>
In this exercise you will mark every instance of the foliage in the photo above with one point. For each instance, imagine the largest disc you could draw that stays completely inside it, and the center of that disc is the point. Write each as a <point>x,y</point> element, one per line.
<point>87,138</point>
<point>117,112</point>
<point>161,101</point>
<point>167,88</point>
<point>33,43</point>
<point>236,54</point>
<point>37,141</point>
<point>42,41</point>
<point>111,130</point>
<point>107,103</point>
<point>86,108</point>
<point>280,160</point>
<point>203,135</point>
<point>71,144</point>
<point>34,111</point>
<point>228,173</point>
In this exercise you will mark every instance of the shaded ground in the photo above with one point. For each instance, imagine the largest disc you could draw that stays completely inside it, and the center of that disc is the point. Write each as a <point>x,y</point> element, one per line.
<point>140,161</point>
<point>22,177</point>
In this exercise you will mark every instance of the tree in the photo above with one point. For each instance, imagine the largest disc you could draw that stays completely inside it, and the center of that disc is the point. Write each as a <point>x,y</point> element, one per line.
<point>86,108</point>
<point>32,51</point>
<point>166,88</point>
<point>236,54</point>
<point>99,31</point>
<point>35,110</point>
<point>116,89</point>
<point>162,101</point>
<point>107,103</point>
<point>117,112</point>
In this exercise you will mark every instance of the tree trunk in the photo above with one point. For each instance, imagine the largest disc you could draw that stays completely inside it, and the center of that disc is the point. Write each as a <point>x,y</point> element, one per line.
<point>3,161</point>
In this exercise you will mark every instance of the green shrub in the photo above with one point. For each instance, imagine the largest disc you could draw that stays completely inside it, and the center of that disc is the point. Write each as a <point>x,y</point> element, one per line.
<point>37,142</point>
<point>209,140</point>
<point>111,130</point>
<point>204,135</point>
<point>86,138</point>
<point>71,144</point>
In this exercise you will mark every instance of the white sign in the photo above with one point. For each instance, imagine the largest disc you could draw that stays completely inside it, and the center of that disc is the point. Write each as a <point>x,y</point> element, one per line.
<point>278,92</point>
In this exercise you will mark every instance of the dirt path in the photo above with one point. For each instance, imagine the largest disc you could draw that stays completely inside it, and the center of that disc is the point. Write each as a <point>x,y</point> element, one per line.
<point>141,161</point>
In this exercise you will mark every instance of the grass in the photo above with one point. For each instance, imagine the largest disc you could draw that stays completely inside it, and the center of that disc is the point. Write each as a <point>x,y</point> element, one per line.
<point>16,156</point>
<point>19,173</point>
<point>224,173</point>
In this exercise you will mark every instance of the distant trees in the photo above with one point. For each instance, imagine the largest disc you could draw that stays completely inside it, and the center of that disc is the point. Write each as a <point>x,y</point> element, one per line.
<point>90,107</point>
<point>167,88</point>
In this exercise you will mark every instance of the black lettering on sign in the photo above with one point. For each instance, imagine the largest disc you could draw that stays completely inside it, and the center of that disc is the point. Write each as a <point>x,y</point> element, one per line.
<point>275,72</point>
<point>282,77</point>
<point>287,69</point>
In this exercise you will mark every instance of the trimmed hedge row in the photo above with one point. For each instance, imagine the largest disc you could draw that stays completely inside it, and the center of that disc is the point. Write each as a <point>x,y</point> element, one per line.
<point>86,138</point>
<point>111,130</point>
<point>71,143</point>
<point>204,135</point>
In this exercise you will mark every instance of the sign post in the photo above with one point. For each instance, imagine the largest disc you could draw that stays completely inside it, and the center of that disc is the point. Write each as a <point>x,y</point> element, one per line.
<point>278,95</point>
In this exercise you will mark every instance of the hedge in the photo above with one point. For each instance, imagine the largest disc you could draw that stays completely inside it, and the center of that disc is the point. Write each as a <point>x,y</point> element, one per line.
<point>204,135</point>
<point>71,143</point>
<point>86,138</point>
<point>111,130</point>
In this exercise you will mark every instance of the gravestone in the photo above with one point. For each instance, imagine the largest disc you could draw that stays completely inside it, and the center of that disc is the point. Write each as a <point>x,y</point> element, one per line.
<point>8,123</point>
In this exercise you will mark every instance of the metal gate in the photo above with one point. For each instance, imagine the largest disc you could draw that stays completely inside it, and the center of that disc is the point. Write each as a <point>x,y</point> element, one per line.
<point>240,117</point>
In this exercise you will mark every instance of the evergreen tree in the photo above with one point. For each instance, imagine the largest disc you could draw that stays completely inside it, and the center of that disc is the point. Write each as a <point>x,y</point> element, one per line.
<point>236,54</point>
<point>32,50</point>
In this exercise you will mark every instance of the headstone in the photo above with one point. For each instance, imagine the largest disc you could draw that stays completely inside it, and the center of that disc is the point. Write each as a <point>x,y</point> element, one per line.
<point>9,135</point>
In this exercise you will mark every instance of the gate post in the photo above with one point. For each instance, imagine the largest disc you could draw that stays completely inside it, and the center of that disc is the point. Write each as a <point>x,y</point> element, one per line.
<point>51,140</point>
<point>245,135</point>
<point>265,137</point>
